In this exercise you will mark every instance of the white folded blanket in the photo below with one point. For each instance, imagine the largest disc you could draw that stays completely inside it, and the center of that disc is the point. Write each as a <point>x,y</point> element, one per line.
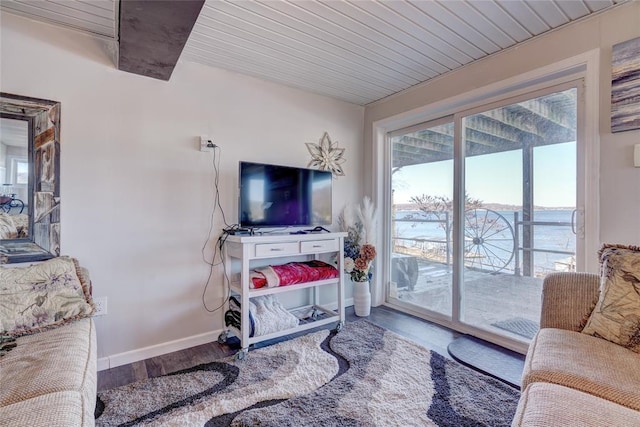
<point>270,316</point>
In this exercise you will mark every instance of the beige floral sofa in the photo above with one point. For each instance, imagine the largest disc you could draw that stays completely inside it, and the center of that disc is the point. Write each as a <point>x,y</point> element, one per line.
<point>583,366</point>
<point>48,345</point>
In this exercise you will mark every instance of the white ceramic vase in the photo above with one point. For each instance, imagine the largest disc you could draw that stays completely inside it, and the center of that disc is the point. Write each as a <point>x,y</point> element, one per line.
<point>361,298</point>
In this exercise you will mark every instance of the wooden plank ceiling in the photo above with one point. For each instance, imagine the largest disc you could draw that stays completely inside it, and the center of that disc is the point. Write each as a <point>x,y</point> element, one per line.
<point>97,17</point>
<point>358,51</point>
<point>362,51</point>
<point>13,132</point>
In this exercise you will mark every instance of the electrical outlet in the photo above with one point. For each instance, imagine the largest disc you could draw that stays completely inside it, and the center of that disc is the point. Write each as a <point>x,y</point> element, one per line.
<point>101,306</point>
<point>206,144</point>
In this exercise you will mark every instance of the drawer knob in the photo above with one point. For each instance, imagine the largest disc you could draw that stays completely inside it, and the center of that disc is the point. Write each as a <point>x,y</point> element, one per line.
<point>277,249</point>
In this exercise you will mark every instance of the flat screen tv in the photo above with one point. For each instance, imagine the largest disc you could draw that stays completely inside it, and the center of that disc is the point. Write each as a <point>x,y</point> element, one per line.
<point>277,196</point>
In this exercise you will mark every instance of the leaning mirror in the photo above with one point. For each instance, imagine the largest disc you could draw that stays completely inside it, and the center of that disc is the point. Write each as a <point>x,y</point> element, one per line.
<point>29,179</point>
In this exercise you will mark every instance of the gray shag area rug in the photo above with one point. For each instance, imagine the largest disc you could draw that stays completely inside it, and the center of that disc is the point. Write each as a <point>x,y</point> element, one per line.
<point>362,376</point>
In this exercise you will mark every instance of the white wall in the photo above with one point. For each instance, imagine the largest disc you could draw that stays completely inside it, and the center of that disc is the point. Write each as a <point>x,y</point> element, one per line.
<point>137,193</point>
<point>619,181</point>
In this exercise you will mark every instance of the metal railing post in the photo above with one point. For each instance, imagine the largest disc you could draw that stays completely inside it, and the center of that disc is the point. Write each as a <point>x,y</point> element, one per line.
<point>448,233</point>
<point>516,243</point>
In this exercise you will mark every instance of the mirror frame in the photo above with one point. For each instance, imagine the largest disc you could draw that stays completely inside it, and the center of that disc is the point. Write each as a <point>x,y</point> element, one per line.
<point>43,122</point>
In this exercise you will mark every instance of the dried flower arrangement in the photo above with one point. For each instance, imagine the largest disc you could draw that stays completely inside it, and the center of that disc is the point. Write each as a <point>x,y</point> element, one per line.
<point>359,252</point>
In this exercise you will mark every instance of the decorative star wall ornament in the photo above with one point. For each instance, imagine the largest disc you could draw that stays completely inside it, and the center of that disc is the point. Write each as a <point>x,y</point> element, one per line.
<point>326,155</point>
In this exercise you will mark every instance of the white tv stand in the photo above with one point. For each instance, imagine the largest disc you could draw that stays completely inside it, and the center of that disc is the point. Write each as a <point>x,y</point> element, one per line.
<point>260,249</point>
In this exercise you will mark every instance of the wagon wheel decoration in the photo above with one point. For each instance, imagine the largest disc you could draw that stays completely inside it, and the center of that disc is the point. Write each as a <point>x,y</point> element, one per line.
<point>489,242</point>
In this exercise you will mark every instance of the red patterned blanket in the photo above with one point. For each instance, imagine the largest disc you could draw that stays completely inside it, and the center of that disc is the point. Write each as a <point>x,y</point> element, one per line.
<point>292,273</point>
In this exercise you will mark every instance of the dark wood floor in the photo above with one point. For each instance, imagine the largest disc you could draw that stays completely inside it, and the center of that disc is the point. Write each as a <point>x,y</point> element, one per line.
<point>430,335</point>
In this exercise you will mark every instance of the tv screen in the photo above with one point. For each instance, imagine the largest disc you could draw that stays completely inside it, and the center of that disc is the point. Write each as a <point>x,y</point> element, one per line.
<point>274,196</point>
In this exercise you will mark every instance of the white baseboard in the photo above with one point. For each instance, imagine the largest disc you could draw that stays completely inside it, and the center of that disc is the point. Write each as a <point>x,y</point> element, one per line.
<point>103,364</point>
<point>127,357</point>
<point>156,350</point>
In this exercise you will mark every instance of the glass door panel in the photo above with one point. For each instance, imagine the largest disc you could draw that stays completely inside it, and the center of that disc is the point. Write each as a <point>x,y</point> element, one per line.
<point>421,217</point>
<point>520,185</point>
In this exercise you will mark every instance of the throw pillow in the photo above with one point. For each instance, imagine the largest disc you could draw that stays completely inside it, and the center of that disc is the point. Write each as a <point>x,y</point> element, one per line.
<point>21,221</point>
<point>7,227</point>
<point>616,317</point>
<point>42,296</point>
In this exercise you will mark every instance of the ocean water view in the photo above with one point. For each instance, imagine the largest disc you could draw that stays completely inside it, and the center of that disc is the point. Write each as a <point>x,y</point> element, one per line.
<point>491,236</point>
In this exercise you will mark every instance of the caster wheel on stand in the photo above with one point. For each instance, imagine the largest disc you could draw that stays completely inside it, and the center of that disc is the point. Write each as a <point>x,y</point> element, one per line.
<point>240,355</point>
<point>222,338</point>
<point>339,326</point>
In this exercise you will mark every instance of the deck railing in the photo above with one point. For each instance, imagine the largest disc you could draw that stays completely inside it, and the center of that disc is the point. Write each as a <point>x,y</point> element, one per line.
<point>527,252</point>
<point>444,223</point>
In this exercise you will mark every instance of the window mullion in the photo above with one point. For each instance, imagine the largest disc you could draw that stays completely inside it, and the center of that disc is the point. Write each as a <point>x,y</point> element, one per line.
<point>458,216</point>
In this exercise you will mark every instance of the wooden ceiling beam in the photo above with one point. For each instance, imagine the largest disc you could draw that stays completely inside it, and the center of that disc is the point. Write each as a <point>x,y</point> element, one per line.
<point>430,141</point>
<point>526,118</point>
<point>153,34</point>
<point>543,121</point>
<point>561,113</point>
<point>484,131</point>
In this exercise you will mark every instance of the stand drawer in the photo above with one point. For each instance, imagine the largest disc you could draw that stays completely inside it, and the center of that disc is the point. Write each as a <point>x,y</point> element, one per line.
<point>277,249</point>
<point>313,246</point>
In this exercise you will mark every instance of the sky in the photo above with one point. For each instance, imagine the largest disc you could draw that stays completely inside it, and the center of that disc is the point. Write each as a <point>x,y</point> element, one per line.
<point>497,178</point>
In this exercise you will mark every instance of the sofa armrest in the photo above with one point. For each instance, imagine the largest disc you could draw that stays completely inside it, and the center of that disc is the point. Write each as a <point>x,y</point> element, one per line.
<point>567,298</point>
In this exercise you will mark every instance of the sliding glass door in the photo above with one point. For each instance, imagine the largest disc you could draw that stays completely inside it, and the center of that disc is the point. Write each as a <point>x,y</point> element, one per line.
<point>421,217</point>
<point>484,206</point>
<point>520,178</point>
